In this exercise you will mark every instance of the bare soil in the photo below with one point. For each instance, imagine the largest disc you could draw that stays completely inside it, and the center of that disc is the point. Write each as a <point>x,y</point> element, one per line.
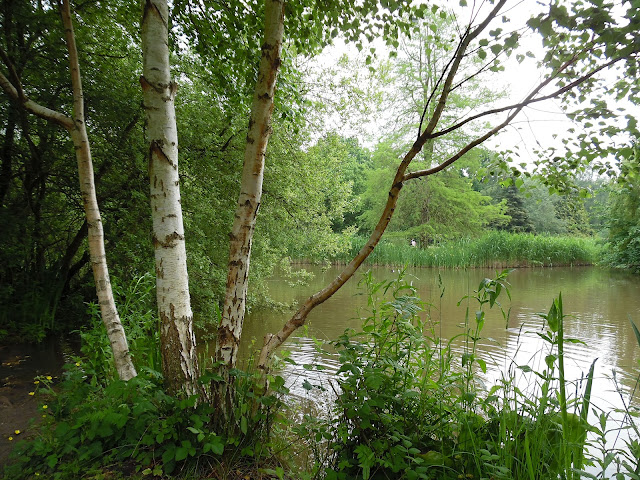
<point>19,365</point>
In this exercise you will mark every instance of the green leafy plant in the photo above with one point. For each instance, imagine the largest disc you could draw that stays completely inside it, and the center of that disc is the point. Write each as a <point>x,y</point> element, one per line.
<point>136,301</point>
<point>92,427</point>
<point>405,409</point>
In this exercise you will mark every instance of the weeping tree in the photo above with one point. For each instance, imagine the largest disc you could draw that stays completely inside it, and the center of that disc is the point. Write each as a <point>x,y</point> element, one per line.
<point>75,125</point>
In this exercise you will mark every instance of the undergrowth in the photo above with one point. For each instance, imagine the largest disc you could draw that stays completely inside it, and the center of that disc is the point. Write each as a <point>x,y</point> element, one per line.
<point>409,407</point>
<point>96,426</point>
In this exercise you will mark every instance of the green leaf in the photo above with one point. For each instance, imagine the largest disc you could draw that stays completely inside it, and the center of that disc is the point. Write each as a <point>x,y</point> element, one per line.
<point>483,365</point>
<point>374,381</point>
<point>635,331</point>
<point>550,360</point>
<point>181,453</point>
<point>243,425</point>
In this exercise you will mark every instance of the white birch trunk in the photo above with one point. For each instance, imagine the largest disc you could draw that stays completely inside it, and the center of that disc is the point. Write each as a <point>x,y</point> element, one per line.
<point>95,236</point>
<point>78,133</point>
<point>77,130</point>
<point>178,343</point>
<point>110,317</point>
<point>233,311</point>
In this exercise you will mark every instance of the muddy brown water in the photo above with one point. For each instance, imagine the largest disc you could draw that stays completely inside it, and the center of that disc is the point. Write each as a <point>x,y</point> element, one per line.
<point>599,304</point>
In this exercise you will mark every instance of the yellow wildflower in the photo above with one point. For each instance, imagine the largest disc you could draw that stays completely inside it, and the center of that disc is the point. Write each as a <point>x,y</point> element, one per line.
<point>45,406</point>
<point>36,382</point>
<point>10,438</point>
<point>17,432</point>
<point>49,377</point>
<point>32,393</point>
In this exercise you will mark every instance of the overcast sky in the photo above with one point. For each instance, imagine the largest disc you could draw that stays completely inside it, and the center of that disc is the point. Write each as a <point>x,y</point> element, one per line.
<point>538,127</point>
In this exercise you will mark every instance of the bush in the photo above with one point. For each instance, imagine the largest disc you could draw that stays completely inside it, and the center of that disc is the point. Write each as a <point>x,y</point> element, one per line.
<point>135,427</point>
<point>406,410</point>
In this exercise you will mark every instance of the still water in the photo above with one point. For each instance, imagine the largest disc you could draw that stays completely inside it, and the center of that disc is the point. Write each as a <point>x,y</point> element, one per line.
<point>599,303</point>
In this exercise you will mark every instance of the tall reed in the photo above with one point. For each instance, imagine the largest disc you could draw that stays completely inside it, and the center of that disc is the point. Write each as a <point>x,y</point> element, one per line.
<point>495,249</point>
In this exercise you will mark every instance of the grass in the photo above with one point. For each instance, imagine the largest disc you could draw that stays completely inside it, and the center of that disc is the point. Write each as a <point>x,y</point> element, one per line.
<point>495,249</point>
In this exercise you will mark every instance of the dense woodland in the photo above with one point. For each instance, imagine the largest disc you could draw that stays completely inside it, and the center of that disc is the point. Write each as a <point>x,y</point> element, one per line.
<point>420,72</point>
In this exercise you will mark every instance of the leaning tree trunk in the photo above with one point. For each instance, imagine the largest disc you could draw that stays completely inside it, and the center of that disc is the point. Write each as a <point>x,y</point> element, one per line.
<point>77,130</point>
<point>178,343</point>
<point>95,235</point>
<point>273,341</point>
<point>244,222</point>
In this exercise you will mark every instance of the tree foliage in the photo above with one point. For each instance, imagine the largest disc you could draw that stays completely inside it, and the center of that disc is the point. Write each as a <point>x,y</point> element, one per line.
<point>624,219</point>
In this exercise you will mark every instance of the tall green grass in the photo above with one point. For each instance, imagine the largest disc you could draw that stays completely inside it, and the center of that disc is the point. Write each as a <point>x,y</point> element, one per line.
<point>495,249</point>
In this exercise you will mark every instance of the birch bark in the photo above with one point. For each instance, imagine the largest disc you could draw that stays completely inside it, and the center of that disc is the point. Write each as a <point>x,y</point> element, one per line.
<point>178,343</point>
<point>77,130</point>
<point>249,199</point>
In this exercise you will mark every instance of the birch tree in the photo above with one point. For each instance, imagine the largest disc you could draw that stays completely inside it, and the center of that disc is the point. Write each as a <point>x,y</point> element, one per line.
<point>178,342</point>
<point>76,127</point>
<point>306,19</point>
<point>230,329</point>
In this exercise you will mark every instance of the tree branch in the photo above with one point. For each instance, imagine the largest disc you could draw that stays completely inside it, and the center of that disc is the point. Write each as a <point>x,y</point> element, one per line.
<point>33,107</point>
<point>530,101</point>
<point>458,56</point>
<point>76,82</point>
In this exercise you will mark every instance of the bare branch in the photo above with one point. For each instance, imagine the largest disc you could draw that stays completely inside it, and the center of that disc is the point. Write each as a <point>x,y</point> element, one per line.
<point>271,341</point>
<point>15,78</point>
<point>529,100</point>
<point>458,56</point>
<point>33,107</point>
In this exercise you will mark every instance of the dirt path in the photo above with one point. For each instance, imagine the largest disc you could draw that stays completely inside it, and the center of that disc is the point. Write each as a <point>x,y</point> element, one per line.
<point>19,364</point>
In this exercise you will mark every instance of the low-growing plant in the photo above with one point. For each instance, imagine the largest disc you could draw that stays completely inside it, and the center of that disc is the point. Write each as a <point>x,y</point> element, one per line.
<point>137,309</point>
<point>406,410</point>
<point>94,429</point>
<point>134,427</point>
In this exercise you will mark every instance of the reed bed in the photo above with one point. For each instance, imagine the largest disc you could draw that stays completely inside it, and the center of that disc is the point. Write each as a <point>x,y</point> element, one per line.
<point>495,249</point>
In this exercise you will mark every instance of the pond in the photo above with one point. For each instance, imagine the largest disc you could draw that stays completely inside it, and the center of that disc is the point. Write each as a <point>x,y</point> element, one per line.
<point>599,302</point>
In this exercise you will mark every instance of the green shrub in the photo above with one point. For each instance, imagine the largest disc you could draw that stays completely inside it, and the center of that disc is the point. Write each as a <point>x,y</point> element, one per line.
<point>406,410</point>
<point>134,427</point>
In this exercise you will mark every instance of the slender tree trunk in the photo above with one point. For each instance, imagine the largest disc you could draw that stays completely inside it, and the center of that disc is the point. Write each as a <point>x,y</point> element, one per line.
<point>110,317</point>
<point>178,342</point>
<point>77,130</point>
<point>233,311</point>
<point>273,341</point>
